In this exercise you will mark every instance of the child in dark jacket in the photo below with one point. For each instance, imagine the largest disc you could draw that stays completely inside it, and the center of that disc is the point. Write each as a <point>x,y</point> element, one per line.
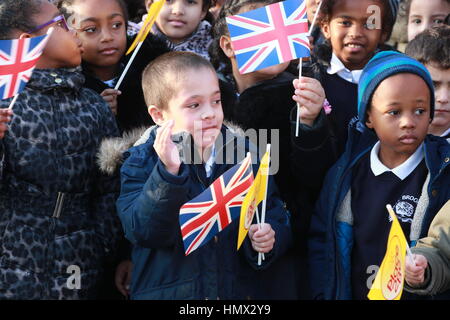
<point>183,95</point>
<point>57,215</point>
<point>101,26</point>
<point>262,101</point>
<point>389,159</point>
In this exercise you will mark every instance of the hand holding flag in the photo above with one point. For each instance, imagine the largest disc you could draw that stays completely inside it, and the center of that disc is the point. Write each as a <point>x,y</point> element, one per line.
<point>388,284</point>
<point>216,207</point>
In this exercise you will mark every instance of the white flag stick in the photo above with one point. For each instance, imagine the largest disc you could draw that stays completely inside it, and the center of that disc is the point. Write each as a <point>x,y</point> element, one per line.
<point>260,254</point>
<point>263,215</point>
<point>297,124</point>
<point>408,250</point>
<point>128,65</point>
<point>13,101</point>
<point>315,18</point>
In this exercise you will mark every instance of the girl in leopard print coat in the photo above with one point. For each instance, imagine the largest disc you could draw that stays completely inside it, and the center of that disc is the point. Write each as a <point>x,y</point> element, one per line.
<point>57,212</point>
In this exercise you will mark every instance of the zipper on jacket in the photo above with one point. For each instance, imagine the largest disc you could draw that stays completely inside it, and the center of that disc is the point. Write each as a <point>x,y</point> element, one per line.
<point>59,205</point>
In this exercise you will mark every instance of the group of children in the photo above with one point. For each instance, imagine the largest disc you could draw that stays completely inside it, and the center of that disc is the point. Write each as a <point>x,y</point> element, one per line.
<point>373,130</point>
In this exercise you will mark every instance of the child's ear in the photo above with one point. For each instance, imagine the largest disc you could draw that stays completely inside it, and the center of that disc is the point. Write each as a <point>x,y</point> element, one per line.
<point>369,121</point>
<point>225,44</point>
<point>326,30</point>
<point>156,114</point>
<point>148,4</point>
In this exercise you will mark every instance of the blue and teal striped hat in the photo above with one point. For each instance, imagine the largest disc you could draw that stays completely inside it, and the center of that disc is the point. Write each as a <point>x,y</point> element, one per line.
<point>384,65</point>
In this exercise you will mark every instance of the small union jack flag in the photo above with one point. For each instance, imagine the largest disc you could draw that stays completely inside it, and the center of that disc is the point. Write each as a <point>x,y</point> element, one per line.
<point>269,35</point>
<point>18,57</point>
<point>216,207</point>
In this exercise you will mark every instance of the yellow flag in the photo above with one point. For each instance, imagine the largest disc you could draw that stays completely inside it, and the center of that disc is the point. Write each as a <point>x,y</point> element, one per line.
<point>254,196</point>
<point>153,12</point>
<point>388,284</point>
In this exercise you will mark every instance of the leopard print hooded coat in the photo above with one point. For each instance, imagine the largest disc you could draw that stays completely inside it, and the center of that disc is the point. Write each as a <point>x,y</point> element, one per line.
<point>57,211</point>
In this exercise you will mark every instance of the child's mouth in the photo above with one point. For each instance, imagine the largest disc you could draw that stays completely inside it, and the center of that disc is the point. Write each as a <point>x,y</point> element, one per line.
<point>354,47</point>
<point>176,23</point>
<point>108,52</point>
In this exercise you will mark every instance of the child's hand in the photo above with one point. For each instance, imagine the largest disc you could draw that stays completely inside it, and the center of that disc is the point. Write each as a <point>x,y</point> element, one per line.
<point>165,148</point>
<point>262,238</point>
<point>415,273</point>
<point>110,96</point>
<point>310,94</point>
<point>5,117</point>
<point>123,277</point>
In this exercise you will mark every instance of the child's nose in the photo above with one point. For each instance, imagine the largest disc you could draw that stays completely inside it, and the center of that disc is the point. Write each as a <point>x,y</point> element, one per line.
<point>208,113</point>
<point>356,30</point>
<point>407,121</point>
<point>178,8</point>
<point>106,34</point>
<point>443,94</point>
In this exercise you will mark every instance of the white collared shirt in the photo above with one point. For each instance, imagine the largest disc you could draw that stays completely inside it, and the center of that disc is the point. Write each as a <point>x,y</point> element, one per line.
<point>336,66</point>
<point>209,164</point>
<point>403,170</point>
<point>446,133</point>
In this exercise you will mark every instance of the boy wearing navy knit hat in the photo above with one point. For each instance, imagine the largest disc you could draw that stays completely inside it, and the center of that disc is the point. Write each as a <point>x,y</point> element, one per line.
<point>389,159</point>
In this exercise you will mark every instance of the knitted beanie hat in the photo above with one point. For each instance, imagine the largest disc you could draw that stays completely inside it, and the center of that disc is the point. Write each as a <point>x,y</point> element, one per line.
<point>384,65</point>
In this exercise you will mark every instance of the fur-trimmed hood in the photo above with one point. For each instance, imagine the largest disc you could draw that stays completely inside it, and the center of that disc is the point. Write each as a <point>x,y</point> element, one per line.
<point>111,151</point>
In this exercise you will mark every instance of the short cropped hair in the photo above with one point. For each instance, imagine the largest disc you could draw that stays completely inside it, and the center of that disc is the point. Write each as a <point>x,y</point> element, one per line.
<point>431,46</point>
<point>158,85</point>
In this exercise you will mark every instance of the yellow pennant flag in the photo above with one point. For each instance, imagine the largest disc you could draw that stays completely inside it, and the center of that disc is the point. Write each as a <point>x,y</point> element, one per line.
<point>254,196</point>
<point>153,12</point>
<point>388,284</point>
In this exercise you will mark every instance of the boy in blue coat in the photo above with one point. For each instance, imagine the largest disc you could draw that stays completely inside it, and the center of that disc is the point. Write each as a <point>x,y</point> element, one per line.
<point>389,159</point>
<point>182,92</point>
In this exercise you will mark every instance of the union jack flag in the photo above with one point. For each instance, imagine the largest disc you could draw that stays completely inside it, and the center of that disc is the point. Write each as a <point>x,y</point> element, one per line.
<point>18,57</point>
<point>216,207</point>
<point>269,35</point>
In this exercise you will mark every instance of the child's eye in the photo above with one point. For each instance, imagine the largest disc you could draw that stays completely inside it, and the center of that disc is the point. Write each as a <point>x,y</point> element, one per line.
<point>117,25</point>
<point>416,21</point>
<point>420,111</point>
<point>345,23</point>
<point>193,106</point>
<point>438,21</point>
<point>90,29</point>
<point>218,101</point>
<point>393,112</point>
<point>191,1</point>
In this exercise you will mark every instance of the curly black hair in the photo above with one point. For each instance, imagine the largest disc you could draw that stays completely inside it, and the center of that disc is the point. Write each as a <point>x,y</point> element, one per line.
<point>65,7</point>
<point>231,7</point>
<point>17,15</point>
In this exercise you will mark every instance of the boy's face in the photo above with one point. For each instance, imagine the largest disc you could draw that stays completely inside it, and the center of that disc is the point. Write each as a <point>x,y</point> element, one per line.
<point>178,19</point>
<point>400,115</point>
<point>63,49</point>
<point>441,80</point>
<point>426,14</point>
<point>101,29</point>
<point>196,107</point>
<point>352,41</point>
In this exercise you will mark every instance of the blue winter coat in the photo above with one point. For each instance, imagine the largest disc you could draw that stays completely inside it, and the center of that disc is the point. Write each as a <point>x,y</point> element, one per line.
<point>331,242</point>
<point>57,213</point>
<point>148,207</point>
